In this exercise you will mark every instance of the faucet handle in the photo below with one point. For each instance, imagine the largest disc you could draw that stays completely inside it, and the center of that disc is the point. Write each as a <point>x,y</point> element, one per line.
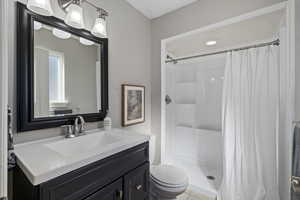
<point>79,128</point>
<point>68,130</point>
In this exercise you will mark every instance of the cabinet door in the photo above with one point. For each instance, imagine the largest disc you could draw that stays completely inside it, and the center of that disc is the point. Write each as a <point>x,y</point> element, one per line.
<point>136,184</point>
<point>110,192</point>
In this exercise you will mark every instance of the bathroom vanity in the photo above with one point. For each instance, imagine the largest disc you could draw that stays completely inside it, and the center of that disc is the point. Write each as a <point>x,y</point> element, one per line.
<point>115,167</point>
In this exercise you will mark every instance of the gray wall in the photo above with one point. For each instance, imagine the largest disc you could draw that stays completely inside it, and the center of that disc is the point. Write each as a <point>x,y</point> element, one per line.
<point>129,59</point>
<point>194,16</point>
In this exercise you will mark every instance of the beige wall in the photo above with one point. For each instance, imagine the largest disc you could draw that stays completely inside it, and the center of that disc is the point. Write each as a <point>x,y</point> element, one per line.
<point>129,59</point>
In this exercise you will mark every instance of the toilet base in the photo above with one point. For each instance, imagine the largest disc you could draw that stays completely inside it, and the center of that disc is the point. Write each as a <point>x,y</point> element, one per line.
<point>152,197</point>
<point>157,193</point>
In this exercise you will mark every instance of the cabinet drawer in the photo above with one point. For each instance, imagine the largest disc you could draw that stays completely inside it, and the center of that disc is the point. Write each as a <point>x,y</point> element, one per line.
<point>137,184</point>
<point>110,192</point>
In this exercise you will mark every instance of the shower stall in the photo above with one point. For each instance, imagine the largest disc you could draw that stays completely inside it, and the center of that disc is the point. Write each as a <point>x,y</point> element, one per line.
<point>193,100</point>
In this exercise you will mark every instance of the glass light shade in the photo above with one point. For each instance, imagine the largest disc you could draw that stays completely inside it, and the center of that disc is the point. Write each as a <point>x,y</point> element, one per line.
<point>42,7</point>
<point>61,34</point>
<point>99,29</point>
<point>74,16</point>
<point>86,42</point>
<point>37,25</point>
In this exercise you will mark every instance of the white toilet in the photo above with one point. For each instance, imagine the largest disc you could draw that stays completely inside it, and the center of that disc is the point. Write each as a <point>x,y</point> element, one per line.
<point>166,181</point>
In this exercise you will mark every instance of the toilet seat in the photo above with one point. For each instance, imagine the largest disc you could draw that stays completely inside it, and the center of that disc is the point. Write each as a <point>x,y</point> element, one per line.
<point>169,176</point>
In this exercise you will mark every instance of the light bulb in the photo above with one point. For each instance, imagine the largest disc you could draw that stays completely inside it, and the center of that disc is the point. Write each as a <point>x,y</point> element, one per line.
<point>41,7</point>
<point>99,29</point>
<point>74,16</point>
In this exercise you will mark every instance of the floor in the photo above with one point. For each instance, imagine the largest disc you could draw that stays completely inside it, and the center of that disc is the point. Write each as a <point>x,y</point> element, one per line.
<point>190,195</point>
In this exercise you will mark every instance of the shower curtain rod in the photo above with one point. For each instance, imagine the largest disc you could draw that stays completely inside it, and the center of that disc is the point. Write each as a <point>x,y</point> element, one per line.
<point>175,60</point>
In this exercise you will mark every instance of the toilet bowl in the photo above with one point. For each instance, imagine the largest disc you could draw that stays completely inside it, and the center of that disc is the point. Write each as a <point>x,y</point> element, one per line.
<point>167,182</point>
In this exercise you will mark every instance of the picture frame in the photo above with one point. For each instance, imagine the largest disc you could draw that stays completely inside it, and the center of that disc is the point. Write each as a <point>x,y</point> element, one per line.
<point>133,104</point>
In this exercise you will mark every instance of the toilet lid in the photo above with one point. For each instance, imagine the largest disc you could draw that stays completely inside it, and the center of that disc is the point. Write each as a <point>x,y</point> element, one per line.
<point>169,175</point>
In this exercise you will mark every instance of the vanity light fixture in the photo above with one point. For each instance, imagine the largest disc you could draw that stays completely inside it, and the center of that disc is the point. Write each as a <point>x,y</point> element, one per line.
<point>86,42</point>
<point>99,29</point>
<point>211,43</point>
<point>42,7</point>
<point>74,14</point>
<point>61,34</point>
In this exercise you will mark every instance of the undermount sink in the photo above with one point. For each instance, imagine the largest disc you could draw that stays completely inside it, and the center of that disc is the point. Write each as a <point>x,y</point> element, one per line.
<point>83,144</point>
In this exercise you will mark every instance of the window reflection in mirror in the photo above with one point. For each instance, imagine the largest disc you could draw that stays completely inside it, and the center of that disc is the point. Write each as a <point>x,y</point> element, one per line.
<point>67,73</point>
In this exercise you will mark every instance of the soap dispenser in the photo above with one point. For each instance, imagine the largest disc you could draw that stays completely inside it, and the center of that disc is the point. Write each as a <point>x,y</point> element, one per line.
<point>107,123</point>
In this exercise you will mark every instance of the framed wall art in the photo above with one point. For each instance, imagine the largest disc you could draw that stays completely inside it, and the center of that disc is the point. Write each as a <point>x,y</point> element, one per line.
<point>133,104</point>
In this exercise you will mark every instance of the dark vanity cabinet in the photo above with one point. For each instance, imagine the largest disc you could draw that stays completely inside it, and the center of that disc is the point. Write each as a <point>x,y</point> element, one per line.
<point>123,176</point>
<point>137,184</point>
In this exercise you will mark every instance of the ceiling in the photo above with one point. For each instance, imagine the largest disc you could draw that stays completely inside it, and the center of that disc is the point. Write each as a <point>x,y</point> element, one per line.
<point>156,8</point>
<point>251,31</point>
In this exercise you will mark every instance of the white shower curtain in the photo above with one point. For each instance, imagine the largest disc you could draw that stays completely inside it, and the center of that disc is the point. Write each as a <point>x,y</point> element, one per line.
<point>250,125</point>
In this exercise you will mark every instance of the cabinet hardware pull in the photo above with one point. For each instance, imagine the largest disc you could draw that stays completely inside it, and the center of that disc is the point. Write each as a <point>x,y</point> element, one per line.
<point>120,194</point>
<point>139,187</point>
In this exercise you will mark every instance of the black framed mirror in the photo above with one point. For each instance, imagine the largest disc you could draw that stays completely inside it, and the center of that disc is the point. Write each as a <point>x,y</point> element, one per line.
<point>62,72</point>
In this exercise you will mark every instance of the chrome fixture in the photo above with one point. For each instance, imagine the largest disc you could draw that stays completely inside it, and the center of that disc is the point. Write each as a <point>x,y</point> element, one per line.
<point>172,60</point>
<point>79,129</point>
<point>74,14</point>
<point>68,131</point>
<point>168,99</point>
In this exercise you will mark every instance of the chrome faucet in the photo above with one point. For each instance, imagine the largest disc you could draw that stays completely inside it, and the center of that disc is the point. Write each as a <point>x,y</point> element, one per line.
<point>79,129</point>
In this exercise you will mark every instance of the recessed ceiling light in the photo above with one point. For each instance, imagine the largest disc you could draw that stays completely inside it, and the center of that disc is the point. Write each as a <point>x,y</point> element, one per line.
<point>211,43</point>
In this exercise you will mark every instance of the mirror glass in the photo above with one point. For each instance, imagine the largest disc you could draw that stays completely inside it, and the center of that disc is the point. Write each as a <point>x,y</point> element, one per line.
<point>67,73</point>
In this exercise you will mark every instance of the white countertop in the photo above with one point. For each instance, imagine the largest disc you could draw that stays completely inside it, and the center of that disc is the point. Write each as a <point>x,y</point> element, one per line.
<point>44,160</point>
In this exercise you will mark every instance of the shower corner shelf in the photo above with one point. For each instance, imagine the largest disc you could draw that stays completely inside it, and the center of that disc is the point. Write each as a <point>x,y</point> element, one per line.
<point>184,126</point>
<point>190,127</point>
